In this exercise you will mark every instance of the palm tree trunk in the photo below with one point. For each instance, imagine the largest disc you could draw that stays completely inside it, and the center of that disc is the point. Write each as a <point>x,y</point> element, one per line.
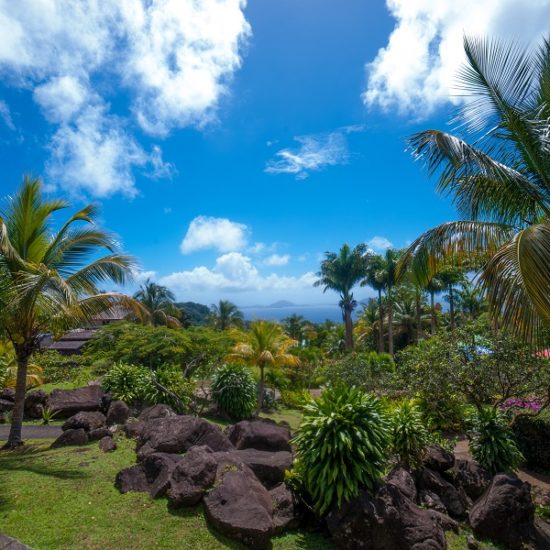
<point>349,328</point>
<point>380,323</point>
<point>261,391</point>
<point>418,319</point>
<point>14,438</point>
<point>432,308</point>
<point>452,307</point>
<point>390,327</point>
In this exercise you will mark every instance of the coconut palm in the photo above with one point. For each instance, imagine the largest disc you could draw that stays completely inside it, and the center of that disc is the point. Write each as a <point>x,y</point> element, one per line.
<point>374,279</point>
<point>341,272</point>
<point>225,315</point>
<point>433,286</point>
<point>8,369</point>
<point>500,183</point>
<point>266,346</point>
<point>159,303</point>
<point>451,277</point>
<point>46,281</point>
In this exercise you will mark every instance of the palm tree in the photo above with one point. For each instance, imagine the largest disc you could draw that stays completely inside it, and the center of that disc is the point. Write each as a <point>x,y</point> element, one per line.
<point>375,266</point>
<point>46,283</point>
<point>450,277</point>
<point>8,369</point>
<point>159,303</point>
<point>341,272</point>
<point>266,346</point>
<point>226,315</point>
<point>369,320</point>
<point>387,276</point>
<point>469,300</point>
<point>294,325</point>
<point>500,183</point>
<point>433,286</point>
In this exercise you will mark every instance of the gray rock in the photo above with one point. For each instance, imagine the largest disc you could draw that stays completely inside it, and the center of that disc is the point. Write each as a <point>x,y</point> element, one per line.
<point>434,483</point>
<point>262,435</point>
<point>107,444</point>
<point>35,401</point>
<point>86,420</point>
<point>438,459</point>
<point>71,437</point>
<point>99,433</point>
<point>469,475</point>
<point>285,508</point>
<point>7,543</point>
<point>403,480</point>
<point>132,479</point>
<point>118,413</point>
<point>70,402</point>
<point>156,411</point>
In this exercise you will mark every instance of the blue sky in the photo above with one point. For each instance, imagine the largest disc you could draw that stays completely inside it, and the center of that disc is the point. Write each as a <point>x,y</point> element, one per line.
<point>229,145</point>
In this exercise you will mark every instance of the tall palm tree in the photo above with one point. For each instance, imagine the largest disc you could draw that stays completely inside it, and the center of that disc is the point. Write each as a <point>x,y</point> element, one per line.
<point>369,321</point>
<point>387,276</point>
<point>375,266</point>
<point>266,346</point>
<point>469,300</point>
<point>500,183</point>
<point>450,277</point>
<point>225,315</point>
<point>8,369</point>
<point>294,325</point>
<point>341,272</point>
<point>433,286</point>
<point>159,303</point>
<point>46,281</point>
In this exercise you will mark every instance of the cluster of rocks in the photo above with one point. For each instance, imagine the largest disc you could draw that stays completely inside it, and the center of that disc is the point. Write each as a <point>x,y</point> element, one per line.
<point>237,474</point>
<point>415,510</point>
<point>89,423</point>
<point>35,402</point>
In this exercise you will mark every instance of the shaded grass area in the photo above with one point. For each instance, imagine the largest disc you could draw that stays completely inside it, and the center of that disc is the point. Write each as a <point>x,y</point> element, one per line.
<point>65,499</point>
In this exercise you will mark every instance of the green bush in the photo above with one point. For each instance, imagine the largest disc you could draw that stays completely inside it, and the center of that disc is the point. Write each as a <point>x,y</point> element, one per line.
<point>234,390</point>
<point>341,446</point>
<point>128,383</point>
<point>168,385</point>
<point>492,442</point>
<point>58,368</point>
<point>369,370</point>
<point>409,436</point>
<point>533,440</point>
<point>295,399</point>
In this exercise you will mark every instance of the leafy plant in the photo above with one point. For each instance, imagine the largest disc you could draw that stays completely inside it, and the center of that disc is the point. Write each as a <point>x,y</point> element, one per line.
<point>295,399</point>
<point>234,390</point>
<point>168,385</point>
<point>128,383</point>
<point>48,415</point>
<point>341,446</point>
<point>532,437</point>
<point>492,442</point>
<point>409,436</point>
<point>8,369</point>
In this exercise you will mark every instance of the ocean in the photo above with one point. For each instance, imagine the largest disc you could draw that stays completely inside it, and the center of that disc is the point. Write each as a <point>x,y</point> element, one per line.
<point>315,314</point>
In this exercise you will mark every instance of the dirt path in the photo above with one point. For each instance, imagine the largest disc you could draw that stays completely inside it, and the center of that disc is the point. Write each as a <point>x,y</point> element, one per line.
<point>539,482</point>
<point>33,432</point>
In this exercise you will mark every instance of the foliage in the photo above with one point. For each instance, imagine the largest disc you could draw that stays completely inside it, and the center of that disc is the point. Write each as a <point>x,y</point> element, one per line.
<point>472,365</point>
<point>48,415</point>
<point>341,272</point>
<point>532,435</point>
<point>168,385</point>
<point>195,314</point>
<point>492,442</point>
<point>128,383</point>
<point>8,369</point>
<point>265,346</point>
<point>500,184</point>
<point>56,367</point>
<point>158,301</point>
<point>234,390</point>
<point>409,436</point>
<point>225,315</point>
<point>341,446</point>
<point>369,370</point>
<point>295,399</point>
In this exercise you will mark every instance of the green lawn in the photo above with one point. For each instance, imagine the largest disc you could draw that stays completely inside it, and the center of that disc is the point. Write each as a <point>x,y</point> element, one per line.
<point>65,499</point>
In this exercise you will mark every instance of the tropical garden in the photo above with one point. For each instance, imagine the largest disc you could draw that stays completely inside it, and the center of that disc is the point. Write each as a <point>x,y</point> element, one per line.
<point>452,348</point>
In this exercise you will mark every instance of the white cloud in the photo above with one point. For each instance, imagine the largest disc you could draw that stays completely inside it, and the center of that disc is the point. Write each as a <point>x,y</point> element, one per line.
<point>276,260</point>
<point>233,272</point>
<point>171,60</point>
<point>219,233</point>
<point>140,276</point>
<point>416,71</point>
<point>316,151</point>
<point>5,115</point>
<point>379,243</point>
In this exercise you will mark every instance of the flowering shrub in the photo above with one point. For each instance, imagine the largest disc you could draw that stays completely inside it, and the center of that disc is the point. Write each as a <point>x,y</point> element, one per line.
<point>522,405</point>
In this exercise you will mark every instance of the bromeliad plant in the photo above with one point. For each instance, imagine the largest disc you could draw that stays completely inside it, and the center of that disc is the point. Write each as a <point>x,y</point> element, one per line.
<point>341,446</point>
<point>234,391</point>
<point>492,442</point>
<point>409,436</point>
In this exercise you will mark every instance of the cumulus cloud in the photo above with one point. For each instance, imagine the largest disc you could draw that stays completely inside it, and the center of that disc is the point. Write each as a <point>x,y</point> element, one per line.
<point>139,276</point>
<point>415,72</point>
<point>276,260</point>
<point>171,59</point>
<point>5,115</point>
<point>315,152</point>
<point>218,233</point>
<point>233,272</point>
<point>378,243</point>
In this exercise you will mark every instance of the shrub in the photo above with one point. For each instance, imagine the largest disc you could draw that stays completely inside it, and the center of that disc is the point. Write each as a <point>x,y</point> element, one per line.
<point>295,399</point>
<point>492,442</point>
<point>234,390</point>
<point>127,382</point>
<point>369,370</point>
<point>168,385</point>
<point>341,446</point>
<point>409,436</point>
<point>533,437</point>
<point>56,367</point>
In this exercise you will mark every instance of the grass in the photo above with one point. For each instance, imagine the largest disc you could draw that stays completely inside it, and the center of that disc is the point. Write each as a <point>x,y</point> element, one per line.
<point>64,499</point>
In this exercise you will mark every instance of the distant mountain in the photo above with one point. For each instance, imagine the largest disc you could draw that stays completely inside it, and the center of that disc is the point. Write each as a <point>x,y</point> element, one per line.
<point>197,314</point>
<point>283,303</point>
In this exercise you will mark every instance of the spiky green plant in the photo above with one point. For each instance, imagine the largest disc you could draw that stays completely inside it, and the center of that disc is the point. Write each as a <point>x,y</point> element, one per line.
<point>341,446</point>
<point>409,436</point>
<point>492,442</point>
<point>127,382</point>
<point>234,390</point>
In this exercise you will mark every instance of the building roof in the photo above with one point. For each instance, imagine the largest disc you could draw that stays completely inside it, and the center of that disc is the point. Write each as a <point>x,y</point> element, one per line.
<point>78,335</point>
<point>68,345</point>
